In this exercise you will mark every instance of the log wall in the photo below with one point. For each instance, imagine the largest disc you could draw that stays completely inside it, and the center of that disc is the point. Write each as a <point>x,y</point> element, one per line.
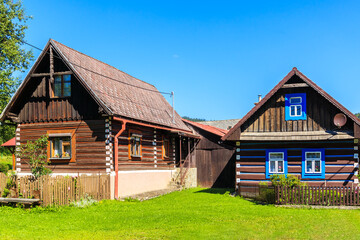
<point>151,147</point>
<point>339,161</point>
<point>90,148</point>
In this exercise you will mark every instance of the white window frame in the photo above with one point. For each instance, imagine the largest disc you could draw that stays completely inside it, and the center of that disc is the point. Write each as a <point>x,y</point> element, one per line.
<point>294,98</point>
<point>277,163</point>
<point>313,162</point>
<point>295,115</point>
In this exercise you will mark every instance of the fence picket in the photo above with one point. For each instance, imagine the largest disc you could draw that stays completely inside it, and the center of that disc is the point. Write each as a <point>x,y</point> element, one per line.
<point>62,190</point>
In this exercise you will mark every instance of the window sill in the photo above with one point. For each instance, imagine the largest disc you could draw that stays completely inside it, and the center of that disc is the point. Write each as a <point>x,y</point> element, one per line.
<point>65,158</point>
<point>60,97</point>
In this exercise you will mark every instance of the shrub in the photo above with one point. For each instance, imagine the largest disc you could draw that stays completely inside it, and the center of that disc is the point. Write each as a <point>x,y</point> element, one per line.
<point>267,194</point>
<point>5,167</point>
<point>84,202</point>
<point>35,155</point>
<point>286,181</point>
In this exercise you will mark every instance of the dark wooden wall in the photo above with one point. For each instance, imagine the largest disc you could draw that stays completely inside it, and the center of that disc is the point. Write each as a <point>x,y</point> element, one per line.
<point>35,105</point>
<point>339,161</point>
<point>215,162</point>
<point>148,152</point>
<point>271,116</point>
<point>90,145</point>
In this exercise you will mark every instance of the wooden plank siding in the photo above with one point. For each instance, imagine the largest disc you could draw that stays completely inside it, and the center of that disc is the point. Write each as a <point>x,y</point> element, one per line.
<point>90,151</point>
<point>149,149</point>
<point>271,116</point>
<point>37,106</point>
<point>339,161</point>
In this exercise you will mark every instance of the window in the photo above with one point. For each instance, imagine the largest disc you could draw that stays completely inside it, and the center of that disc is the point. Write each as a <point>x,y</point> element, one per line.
<point>166,148</point>
<point>135,145</point>
<point>295,106</point>
<point>313,164</point>
<point>276,162</point>
<point>62,86</point>
<point>60,147</point>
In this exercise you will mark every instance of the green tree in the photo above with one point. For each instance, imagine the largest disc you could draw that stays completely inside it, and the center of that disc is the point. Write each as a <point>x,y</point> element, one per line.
<point>34,153</point>
<point>357,114</point>
<point>14,58</point>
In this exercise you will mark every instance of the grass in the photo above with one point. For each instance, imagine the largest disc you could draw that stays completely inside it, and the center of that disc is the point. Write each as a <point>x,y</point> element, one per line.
<point>191,214</point>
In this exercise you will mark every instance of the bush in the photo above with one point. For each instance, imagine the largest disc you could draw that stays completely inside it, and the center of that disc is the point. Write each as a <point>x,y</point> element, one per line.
<point>266,195</point>
<point>5,167</point>
<point>35,155</point>
<point>84,202</point>
<point>286,181</point>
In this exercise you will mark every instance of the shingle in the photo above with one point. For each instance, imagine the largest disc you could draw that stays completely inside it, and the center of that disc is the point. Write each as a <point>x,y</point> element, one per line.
<point>126,96</point>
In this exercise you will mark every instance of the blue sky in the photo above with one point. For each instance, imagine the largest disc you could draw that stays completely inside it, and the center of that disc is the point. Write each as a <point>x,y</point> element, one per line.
<point>217,56</point>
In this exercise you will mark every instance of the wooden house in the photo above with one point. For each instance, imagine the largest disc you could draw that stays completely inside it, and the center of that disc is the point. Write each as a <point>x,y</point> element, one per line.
<point>99,120</point>
<point>214,160</point>
<point>299,129</point>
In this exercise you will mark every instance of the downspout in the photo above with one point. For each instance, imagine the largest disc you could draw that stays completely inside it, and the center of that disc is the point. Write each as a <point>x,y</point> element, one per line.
<point>116,153</point>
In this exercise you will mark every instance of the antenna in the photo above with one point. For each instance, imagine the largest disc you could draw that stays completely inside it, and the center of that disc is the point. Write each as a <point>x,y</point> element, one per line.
<point>340,120</point>
<point>172,94</point>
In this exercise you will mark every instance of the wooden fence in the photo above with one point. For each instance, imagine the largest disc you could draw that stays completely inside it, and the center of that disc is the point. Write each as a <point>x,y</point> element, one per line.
<point>61,190</point>
<point>325,196</point>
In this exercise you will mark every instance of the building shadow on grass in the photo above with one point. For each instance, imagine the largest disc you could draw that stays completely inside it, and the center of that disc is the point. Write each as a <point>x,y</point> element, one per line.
<point>216,190</point>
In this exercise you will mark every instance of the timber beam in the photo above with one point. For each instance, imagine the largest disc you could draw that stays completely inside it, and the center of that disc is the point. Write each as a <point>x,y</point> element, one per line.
<point>295,85</point>
<point>48,74</point>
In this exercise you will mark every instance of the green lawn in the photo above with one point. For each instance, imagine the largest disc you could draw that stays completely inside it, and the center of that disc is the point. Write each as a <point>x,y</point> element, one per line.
<point>191,214</point>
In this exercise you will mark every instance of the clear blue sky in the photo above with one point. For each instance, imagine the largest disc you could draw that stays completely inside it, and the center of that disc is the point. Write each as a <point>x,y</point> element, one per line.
<point>217,56</point>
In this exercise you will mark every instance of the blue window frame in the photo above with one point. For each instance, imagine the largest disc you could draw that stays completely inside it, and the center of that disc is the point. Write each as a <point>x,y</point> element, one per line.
<point>295,106</point>
<point>276,162</point>
<point>313,163</point>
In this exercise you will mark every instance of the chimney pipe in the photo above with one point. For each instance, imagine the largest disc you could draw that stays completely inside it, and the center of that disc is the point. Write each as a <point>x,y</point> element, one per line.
<point>259,97</point>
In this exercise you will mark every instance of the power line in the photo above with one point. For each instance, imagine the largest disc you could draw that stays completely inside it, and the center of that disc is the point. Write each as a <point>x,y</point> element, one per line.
<point>113,79</point>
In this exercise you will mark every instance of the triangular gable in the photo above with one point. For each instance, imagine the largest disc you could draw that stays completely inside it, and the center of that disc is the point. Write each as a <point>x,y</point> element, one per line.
<point>293,72</point>
<point>24,83</point>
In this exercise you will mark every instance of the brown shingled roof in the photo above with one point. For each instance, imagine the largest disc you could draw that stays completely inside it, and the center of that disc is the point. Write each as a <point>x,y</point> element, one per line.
<point>293,72</point>
<point>123,94</point>
<point>117,92</point>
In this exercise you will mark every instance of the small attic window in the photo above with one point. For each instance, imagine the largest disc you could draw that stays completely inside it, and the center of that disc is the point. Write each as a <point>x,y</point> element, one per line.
<point>62,86</point>
<point>295,106</point>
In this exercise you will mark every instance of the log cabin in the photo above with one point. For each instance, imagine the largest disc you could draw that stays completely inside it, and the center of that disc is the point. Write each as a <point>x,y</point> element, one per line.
<point>299,129</point>
<point>99,120</point>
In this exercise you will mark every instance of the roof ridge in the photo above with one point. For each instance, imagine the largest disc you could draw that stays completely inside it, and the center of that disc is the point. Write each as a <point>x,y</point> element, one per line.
<point>56,42</point>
